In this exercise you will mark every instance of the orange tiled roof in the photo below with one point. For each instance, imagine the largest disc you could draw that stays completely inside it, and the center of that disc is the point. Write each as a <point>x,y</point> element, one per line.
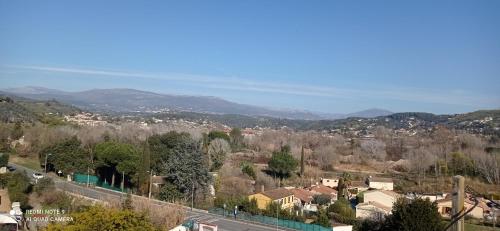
<point>302,194</point>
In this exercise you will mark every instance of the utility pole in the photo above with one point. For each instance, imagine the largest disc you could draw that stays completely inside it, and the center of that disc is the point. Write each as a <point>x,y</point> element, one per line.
<point>88,176</point>
<point>458,202</point>
<point>192,191</point>
<point>277,215</point>
<point>123,181</point>
<point>150,183</point>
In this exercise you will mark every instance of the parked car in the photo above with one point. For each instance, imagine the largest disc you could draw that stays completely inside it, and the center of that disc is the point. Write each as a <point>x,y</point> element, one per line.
<point>37,175</point>
<point>11,168</point>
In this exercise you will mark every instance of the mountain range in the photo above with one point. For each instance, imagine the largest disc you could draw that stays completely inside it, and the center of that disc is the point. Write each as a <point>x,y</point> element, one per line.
<point>132,100</point>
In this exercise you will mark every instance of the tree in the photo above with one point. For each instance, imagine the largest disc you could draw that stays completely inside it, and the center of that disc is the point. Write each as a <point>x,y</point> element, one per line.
<point>323,219</point>
<point>170,193</point>
<point>116,158</point>
<point>248,169</point>
<point>302,167</point>
<point>4,159</point>
<point>461,164</point>
<point>343,208</point>
<point>282,163</point>
<point>420,160</point>
<point>127,204</point>
<point>212,135</point>
<point>342,188</point>
<point>144,168</point>
<point>18,187</point>
<point>414,215</point>
<point>236,138</point>
<point>373,149</point>
<point>321,199</point>
<point>100,218</point>
<point>66,155</point>
<point>17,132</point>
<point>179,158</point>
<point>217,150</point>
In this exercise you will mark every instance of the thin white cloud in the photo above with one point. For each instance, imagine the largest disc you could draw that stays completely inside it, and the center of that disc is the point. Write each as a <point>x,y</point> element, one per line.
<point>451,97</point>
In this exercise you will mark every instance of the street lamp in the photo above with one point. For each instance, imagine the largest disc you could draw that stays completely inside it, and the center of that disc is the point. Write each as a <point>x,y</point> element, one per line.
<point>46,156</point>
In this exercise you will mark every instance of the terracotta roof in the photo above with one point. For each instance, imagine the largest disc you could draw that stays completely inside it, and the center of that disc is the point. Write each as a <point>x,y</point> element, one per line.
<point>302,194</point>
<point>277,193</point>
<point>380,179</point>
<point>321,189</point>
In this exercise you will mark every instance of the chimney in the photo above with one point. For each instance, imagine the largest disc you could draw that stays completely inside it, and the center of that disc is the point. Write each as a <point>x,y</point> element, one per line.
<point>262,188</point>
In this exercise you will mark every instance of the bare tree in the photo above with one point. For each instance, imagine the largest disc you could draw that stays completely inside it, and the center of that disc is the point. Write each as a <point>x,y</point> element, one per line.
<point>488,165</point>
<point>373,149</point>
<point>419,162</point>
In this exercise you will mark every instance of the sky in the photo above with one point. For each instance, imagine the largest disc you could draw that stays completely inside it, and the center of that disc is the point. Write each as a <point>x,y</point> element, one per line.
<point>321,56</point>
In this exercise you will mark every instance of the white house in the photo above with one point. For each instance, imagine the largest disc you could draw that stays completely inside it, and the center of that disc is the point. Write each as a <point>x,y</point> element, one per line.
<point>372,210</point>
<point>382,197</point>
<point>330,182</point>
<point>381,183</point>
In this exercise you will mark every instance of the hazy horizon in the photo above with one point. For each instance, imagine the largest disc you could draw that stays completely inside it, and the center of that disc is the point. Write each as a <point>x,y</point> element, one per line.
<point>325,57</point>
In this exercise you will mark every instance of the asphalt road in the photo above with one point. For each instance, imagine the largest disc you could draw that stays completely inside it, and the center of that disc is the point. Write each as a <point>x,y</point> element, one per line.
<point>223,223</point>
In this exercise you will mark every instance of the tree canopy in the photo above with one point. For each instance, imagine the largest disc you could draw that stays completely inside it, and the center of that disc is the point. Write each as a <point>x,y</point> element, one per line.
<point>67,156</point>
<point>282,162</point>
<point>414,215</point>
<point>100,218</point>
<point>114,157</point>
<point>212,135</point>
<point>179,158</point>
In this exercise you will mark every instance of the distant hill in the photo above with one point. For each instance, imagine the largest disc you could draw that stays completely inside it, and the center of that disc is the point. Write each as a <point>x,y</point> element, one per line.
<point>131,100</point>
<point>486,122</point>
<point>14,109</point>
<point>370,113</point>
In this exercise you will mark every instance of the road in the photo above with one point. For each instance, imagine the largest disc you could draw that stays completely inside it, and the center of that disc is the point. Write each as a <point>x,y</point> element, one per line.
<point>223,223</point>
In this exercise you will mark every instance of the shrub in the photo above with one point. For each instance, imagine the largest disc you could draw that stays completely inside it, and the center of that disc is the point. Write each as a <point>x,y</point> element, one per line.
<point>321,199</point>
<point>44,184</point>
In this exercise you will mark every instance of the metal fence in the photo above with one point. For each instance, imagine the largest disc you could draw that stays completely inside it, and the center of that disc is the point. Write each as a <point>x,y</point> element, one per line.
<point>94,180</point>
<point>270,220</point>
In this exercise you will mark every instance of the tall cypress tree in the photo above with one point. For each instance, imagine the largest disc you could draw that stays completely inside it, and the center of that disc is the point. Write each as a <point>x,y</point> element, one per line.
<point>302,162</point>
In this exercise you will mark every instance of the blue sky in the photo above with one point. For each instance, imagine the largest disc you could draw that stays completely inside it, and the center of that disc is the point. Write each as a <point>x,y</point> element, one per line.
<point>328,56</point>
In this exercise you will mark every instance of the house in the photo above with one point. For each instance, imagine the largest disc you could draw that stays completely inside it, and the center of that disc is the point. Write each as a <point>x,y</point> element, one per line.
<point>330,182</point>
<point>380,183</point>
<point>282,196</point>
<point>445,205</point>
<point>430,197</point>
<point>8,222</point>
<point>341,227</point>
<point>303,199</point>
<point>302,196</point>
<point>383,197</point>
<point>372,210</point>
<point>323,190</point>
<point>357,187</point>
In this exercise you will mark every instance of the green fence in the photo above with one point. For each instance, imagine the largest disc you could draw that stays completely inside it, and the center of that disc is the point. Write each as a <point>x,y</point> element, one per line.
<point>94,180</point>
<point>270,220</point>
